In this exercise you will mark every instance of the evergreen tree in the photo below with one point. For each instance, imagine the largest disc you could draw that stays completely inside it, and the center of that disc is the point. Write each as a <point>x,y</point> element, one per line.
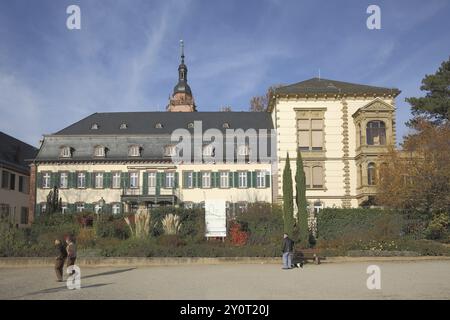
<point>300,199</point>
<point>54,203</point>
<point>288,198</point>
<point>435,106</point>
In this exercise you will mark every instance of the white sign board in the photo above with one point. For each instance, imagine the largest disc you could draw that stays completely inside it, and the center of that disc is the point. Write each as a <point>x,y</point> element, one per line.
<point>215,218</point>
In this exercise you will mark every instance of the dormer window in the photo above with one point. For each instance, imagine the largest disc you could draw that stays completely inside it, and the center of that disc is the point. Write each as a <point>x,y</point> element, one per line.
<point>158,125</point>
<point>170,151</point>
<point>99,151</point>
<point>95,126</point>
<point>134,151</point>
<point>226,125</point>
<point>123,126</point>
<point>208,151</point>
<point>66,152</point>
<point>190,125</point>
<point>243,150</point>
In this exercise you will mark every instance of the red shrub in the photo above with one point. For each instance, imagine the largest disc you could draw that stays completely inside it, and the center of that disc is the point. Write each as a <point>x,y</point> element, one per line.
<point>238,237</point>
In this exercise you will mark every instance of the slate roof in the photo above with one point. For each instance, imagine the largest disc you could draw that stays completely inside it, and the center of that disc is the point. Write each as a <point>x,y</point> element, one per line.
<point>320,86</point>
<point>141,130</point>
<point>145,122</point>
<point>14,153</point>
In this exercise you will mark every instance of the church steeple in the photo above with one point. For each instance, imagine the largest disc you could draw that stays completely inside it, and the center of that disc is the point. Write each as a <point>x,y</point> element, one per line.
<point>182,99</point>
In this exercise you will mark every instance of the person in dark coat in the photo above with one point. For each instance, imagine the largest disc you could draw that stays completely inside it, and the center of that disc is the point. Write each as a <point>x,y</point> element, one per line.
<point>288,251</point>
<point>71,252</point>
<point>61,255</point>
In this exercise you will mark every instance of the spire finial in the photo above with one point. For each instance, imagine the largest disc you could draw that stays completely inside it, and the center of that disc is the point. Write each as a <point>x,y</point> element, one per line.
<point>182,50</point>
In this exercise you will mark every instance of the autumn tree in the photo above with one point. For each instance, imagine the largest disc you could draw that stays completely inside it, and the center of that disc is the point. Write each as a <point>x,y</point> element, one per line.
<point>260,103</point>
<point>417,177</point>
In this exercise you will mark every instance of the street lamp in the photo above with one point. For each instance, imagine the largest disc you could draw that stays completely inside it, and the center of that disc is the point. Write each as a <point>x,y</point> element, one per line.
<point>101,203</point>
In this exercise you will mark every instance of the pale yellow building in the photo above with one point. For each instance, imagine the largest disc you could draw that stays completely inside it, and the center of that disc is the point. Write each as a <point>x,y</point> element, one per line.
<point>340,128</point>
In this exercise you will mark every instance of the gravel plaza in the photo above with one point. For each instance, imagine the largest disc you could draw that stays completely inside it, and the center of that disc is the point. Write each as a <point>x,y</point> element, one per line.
<point>421,279</point>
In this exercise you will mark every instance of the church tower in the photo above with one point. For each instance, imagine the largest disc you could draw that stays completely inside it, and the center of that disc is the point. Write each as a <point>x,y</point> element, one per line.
<point>182,99</point>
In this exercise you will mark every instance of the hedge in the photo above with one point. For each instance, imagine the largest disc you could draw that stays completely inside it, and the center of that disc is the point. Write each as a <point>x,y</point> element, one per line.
<point>358,223</point>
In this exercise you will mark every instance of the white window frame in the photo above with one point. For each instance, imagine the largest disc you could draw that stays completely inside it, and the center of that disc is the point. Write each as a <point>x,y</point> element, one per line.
<point>46,177</point>
<point>63,180</point>
<point>208,150</point>
<point>116,208</point>
<point>244,150</point>
<point>151,179</point>
<point>190,180</point>
<point>98,180</point>
<point>66,152</point>
<point>134,151</point>
<point>134,180</point>
<point>116,178</point>
<point>242,179</point>
<point>260,179</point>
<point>224,179</point>
<point>81,180</point>
<point>170,151</point>
<point>206,179</point>
<point>170,180</point>
<point>99,151</point>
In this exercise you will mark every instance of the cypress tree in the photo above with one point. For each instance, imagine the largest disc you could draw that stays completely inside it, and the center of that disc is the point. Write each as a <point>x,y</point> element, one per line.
<point>288,198</point>
<point>300,199</point>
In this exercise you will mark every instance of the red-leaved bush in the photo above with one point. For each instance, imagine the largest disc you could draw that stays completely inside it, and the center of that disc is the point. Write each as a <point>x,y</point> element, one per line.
<point>238,237</point>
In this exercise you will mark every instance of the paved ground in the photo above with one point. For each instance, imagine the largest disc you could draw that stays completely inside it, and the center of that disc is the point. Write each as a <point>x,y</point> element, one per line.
<point>399,280</point>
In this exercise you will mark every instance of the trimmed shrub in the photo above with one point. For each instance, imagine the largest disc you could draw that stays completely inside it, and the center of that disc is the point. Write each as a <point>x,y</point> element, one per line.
<point>356,224</point>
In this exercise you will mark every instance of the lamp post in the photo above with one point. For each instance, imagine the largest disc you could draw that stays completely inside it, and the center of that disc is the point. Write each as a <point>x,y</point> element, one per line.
<point>101,204</point>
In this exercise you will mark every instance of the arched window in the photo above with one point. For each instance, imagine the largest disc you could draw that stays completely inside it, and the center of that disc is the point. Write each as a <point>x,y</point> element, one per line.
<point>371,174</point>
<point>376,133</point>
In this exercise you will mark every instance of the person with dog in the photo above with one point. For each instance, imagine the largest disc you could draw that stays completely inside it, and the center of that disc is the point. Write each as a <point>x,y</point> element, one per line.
<point>288,251</point>
<point>61,255</point>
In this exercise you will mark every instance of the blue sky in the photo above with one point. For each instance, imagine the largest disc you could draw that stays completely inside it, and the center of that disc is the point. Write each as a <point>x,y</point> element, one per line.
<point>125,56</point>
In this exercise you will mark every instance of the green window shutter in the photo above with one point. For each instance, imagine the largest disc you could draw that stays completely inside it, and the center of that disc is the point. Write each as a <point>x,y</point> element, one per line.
<point>39,181</point>
<point>253,179</point>
<point>194,179</point>
<point>145,183</point>
<point>230,179</point>
<point>176,180</point>
<point>158,179</point>
<point>267,180</point>
<point>53,179</point>
<point>217,179</point>
<point>88,180</point>
<point>72,207</point>
<point>184,179</point>
<point>199,179</point>
<point>123,179</point>
<point>163,179</point>
<point>236,179</point>
<point>108,180</point>
<point>249,179</point>
<point>213,179</point>
<point>88,207</point>
<point>38,209</point>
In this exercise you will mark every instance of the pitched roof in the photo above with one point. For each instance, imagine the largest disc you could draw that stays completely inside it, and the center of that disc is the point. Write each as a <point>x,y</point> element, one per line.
<point>321,86</point>
<point>141,130</point>
<point>146,122</point>
<point>14,153</point>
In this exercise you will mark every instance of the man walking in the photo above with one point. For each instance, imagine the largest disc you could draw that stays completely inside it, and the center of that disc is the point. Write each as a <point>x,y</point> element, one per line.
<point>61,255</point>
<point>288,250</point>
<point>71,252</point>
